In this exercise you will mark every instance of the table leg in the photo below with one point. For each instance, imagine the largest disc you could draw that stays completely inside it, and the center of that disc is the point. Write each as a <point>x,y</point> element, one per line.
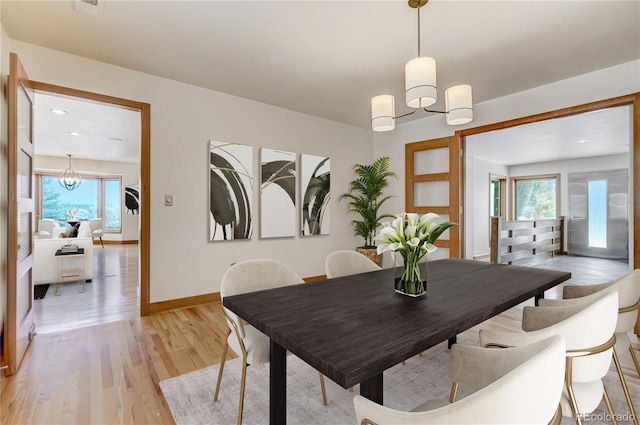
<point>372,388</point>
<point>538,298</point>
<point>452,340</point>
<point>277,384</point>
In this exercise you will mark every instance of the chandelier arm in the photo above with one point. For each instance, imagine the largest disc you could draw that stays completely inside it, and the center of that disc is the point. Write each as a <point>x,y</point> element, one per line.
<point>435,112</point>
<point>406,115</point>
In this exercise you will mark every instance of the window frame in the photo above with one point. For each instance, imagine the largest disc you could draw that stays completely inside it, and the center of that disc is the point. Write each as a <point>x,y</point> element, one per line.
<point>101,192</point>
<point>514,191</point>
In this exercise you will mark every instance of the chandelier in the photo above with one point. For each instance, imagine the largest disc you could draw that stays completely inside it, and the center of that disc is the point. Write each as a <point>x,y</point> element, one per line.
<point>421,92</point>
<point>69,179</point>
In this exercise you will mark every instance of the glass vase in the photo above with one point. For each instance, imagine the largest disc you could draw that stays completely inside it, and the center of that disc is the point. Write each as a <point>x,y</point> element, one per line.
<point>408,279</point>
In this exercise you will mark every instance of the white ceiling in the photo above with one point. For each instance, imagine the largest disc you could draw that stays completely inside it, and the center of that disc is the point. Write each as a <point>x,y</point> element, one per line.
<point>104,132</point>
<point>328,58</point>
<point>597,133</point>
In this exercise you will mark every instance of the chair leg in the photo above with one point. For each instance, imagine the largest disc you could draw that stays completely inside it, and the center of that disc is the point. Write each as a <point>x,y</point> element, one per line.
<point>609,407</point>
<point>624,387</point>
<point>101,243</point>
<point>224,358</point>
<point>635,359</point>
<point>242,381</point>
<point>324,393</point>
<point>454,392</point>
<point>568,379</point>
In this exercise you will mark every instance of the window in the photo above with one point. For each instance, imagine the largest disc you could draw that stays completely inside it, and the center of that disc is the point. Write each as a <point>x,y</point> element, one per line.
<point>95,197</point>
<point>497,198</point>
<point>597,213</point>
<point>536,198</point>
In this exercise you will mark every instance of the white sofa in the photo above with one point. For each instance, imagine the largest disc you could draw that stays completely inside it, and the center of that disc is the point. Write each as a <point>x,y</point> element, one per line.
<point>44,251</point>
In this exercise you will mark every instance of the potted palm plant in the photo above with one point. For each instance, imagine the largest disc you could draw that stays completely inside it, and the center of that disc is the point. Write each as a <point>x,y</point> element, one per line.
<point>365,198</point>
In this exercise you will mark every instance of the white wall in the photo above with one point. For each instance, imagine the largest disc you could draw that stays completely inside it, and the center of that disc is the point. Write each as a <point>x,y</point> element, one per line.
<point>183,119</point>
<point>477,195</point>
<point>603,84</point>
<point>130,175</point>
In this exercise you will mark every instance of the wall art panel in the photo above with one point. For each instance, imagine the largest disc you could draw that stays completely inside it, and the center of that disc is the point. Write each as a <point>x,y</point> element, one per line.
<point>230,191</point>
<point>277,193</point>
<point>315,175</point>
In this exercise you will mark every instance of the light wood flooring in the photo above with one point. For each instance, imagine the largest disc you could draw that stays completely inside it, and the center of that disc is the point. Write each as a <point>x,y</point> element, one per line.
<point>108,370</point>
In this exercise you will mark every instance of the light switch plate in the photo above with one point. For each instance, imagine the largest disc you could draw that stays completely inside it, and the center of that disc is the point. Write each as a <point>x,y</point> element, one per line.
<point>168,200</point>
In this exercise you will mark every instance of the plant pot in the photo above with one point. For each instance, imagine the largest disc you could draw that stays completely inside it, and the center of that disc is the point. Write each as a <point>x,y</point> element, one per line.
<point>372,254</point>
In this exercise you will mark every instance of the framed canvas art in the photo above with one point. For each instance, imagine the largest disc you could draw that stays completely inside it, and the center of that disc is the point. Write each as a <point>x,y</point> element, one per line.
<point>315,175</point>
<point>277,193</point>
<point>230,191</point>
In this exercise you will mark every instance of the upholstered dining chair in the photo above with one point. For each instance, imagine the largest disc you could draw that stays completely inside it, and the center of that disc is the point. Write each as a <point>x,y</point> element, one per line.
<point>628,289</point>
<point>244,339</point>
<point>345,262</point>
<point>588,327</point>
<point>514,385</point>
<point>96,226</point>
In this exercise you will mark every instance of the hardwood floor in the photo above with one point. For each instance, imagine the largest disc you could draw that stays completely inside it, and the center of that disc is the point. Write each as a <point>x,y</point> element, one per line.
<point>108,370</point>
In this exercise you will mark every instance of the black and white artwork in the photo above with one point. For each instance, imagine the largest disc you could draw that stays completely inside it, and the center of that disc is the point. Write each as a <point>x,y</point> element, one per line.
<point>132,199</point>
<point>230,191</point>
<point>315,185</point>
<point>277,193</point>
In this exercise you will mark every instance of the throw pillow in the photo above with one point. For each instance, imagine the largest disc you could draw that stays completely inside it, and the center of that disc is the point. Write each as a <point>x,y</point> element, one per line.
<point>71,231</point>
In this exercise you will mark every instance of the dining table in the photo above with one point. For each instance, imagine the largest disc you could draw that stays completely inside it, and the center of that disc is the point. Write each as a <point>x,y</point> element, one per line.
<point>353,328</point>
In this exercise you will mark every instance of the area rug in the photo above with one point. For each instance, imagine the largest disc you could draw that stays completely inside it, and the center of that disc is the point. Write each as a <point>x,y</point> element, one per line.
<point>190,396</point>
<point>39,291</point>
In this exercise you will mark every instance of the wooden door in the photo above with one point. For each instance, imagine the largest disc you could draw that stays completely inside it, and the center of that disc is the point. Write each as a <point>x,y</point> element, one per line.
<point>432,184</point>
<point>20,217</point>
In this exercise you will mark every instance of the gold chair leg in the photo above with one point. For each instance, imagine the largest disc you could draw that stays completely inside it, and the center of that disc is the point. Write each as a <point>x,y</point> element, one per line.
<point>568,380</point>
<point>635,359</point>
<point>609,407</point>
<point>624,387</point>
<point>557,417</point>
<point>454,392</point>
<point>242,381</point>
<point>324,393</point>
<point>224,358</point>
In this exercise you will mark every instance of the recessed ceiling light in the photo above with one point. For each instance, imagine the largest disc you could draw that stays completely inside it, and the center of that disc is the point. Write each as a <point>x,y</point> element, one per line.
<point>115,139</point>
<point>58,111</point>
<point>582,141</point>
<point>74,133</point>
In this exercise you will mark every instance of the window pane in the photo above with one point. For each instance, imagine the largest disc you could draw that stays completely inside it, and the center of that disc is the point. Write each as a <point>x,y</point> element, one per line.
<point>598,214</point>
<point>112,207</point>
<point>495,198</point>
<point>59,203</point>
<point>536,199</point>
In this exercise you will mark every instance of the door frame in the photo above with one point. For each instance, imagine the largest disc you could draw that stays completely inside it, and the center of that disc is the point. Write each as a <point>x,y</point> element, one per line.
<point>145,175</point>
<point>630,99</point>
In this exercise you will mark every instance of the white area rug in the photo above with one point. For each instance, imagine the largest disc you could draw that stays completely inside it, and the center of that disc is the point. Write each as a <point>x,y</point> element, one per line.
<point>190,396</point>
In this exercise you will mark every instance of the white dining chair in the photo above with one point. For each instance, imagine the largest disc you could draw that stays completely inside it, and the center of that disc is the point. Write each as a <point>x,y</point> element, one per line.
<point>244,339</point>
<point>588,327</point>
<point>96,226</point>
<point>48,228</point>
<point>628,289</point>
<point>346,262</point>
<point>511,386</point>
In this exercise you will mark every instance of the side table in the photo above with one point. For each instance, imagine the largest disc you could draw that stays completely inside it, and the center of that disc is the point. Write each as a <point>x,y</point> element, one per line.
<point>68,270</point>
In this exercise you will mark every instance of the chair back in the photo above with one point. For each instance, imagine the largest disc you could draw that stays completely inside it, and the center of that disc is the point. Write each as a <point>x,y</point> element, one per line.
<point>591,323</point>
<point>345,262</point>
<point>254,275</point>
<point>528,393</point>
<point>96,225</point>
<point>628,288</point>
<point>46,227</point>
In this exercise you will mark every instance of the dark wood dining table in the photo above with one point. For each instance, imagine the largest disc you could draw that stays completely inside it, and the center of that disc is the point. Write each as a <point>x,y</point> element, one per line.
<point>355,327</point>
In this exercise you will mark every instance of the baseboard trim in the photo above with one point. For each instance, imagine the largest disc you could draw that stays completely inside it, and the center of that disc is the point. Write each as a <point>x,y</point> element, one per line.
<point>161,306</point>
<point>314,278</point>
<point>184,302</point>
<point>105,242</point>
